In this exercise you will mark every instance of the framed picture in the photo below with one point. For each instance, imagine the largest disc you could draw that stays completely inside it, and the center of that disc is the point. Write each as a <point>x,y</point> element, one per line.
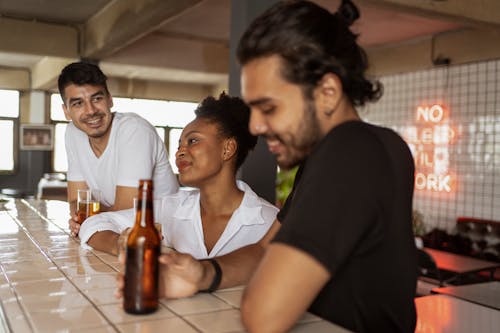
<point>36,137</point>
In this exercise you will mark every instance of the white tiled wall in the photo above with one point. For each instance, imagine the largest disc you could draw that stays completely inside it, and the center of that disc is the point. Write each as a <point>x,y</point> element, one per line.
<point>471,94</point>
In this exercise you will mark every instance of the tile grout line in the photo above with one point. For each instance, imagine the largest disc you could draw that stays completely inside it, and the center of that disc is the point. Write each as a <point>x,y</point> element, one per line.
<point>11,287</point>
<point>46,219</point>
<point>103,261</point>
<point>109,265</point>
<point>201,313</point>
<point>35,242</point>
<point>114,325</point>
<point>3,314</point>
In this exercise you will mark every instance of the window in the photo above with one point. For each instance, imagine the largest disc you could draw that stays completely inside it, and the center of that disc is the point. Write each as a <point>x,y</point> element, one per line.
<point>60,159</point>
<point>173,144</point>
<point>9,115</point>
<point>167,116</point>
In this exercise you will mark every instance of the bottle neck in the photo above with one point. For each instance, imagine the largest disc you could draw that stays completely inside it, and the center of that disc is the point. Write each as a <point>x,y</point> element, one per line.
<point>144,214</point>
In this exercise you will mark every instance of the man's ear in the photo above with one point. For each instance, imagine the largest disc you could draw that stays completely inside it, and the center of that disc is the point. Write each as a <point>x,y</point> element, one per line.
<point>110,101</point>
<point>230,148</point>
<point>66,112</point>
<point>328,93</point>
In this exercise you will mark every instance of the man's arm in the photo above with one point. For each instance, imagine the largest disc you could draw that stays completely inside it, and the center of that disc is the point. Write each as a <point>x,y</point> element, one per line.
<point>238,266</point>
<point>181,275</point>
<point>184,276</point>
<point>283,287</point>
<point>124,199</point>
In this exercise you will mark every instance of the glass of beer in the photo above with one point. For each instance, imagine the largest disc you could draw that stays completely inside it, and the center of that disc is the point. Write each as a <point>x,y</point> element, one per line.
<point>88,202</point>
<point>158,228</point>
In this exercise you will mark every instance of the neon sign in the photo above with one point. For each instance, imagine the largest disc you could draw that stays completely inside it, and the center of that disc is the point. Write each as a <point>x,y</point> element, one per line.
<point>429,141</point>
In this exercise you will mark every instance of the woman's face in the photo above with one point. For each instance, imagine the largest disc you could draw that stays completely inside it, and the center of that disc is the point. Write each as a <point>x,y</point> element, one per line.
<point>200,153</point>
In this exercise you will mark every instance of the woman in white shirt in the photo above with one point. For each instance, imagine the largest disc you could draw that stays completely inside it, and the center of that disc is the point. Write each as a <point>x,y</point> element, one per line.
<point>219,214</point>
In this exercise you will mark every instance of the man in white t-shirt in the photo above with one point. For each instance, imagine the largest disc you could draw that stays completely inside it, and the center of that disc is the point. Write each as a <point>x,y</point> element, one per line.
<point>108,151</point>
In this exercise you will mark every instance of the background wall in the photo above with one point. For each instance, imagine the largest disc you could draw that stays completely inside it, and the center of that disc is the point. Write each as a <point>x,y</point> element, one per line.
<point>463,143</point>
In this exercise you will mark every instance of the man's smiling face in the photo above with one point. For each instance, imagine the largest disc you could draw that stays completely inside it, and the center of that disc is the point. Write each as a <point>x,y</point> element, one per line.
<point>89,108</point>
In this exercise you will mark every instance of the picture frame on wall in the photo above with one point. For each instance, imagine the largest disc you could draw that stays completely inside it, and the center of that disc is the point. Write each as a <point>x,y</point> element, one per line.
<point>36,137</point>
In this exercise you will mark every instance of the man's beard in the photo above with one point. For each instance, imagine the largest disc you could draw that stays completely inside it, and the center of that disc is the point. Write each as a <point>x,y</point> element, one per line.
<point>303,141</point>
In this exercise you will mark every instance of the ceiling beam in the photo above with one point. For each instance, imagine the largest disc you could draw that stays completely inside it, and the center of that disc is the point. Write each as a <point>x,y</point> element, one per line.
<point>176,91</point>
<point>36,38</point>
<point>45,73</point>
<point>419,54</point>
<point>166,74</point>
<point>159,50</point>
<point>122,22</point>
<point>477,12</point>
<point>11,78</point>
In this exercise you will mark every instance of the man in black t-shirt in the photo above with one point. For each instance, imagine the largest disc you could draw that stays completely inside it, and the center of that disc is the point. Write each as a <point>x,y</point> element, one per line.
<point>344,249</point>
<point>353,218</point>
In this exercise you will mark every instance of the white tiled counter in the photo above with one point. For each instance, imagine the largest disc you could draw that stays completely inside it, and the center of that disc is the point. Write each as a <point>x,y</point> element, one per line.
<point>48,283</point>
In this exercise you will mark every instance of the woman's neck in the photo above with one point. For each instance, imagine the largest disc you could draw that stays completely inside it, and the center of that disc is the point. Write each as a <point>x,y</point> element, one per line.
<point>221,197</point>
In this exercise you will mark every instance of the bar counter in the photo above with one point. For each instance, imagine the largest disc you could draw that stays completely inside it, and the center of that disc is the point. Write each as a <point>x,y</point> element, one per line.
<point>48,283</point>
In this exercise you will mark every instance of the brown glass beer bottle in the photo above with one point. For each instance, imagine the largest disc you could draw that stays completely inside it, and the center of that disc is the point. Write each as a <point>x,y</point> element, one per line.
<point>143,250</point>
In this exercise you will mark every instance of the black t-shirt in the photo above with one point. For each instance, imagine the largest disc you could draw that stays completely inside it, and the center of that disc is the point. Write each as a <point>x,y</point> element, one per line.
<point>351,210</point>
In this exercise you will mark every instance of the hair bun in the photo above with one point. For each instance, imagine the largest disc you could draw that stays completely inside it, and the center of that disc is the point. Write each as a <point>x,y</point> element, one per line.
<point>348,12</point>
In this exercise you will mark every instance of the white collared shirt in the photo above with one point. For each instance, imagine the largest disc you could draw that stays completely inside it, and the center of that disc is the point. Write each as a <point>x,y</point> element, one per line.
<point>180,217</point>
<point>182,229</point>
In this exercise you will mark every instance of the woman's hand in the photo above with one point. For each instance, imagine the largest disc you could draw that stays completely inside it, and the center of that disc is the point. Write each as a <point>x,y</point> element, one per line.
<point>121,245</point>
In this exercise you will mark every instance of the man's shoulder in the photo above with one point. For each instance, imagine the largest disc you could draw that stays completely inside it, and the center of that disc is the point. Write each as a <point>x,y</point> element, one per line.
<point>131,121</point>
<point>73,134</point>
<point>71,128</point>
<point>358,135</point>
<point>129,118</point>
<point>347,138</point>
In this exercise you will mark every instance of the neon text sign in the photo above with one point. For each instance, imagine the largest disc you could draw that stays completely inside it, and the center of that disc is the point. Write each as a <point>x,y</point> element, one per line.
<point>429,142</point>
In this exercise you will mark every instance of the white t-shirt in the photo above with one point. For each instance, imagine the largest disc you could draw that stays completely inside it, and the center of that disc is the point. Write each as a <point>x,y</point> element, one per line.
<point>134,151</point>
<point>182,230</point>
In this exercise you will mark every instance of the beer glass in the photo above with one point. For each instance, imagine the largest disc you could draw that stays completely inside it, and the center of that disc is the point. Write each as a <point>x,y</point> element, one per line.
<point>158,228</point>
<point>88,203</point>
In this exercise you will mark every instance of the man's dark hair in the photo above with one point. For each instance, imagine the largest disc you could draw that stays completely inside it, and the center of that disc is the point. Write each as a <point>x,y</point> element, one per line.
<point>231,115</point>
<point>80,73</point>
<point>312,42</point>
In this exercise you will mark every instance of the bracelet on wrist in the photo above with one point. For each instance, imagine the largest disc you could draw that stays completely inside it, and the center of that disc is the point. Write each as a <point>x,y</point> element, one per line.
<point>217,277</point>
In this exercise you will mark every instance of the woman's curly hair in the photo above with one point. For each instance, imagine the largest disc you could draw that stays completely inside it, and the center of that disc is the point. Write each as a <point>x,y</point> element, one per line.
<point>231,115</point>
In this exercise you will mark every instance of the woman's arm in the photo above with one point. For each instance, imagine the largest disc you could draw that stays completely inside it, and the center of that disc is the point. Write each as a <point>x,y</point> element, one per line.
<point>106,241</point>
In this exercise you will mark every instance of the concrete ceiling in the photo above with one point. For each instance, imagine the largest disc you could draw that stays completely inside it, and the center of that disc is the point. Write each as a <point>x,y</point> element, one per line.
<point>187,41</point>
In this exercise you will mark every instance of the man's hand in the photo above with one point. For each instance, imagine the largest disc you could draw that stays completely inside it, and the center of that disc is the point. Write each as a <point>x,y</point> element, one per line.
<point>180,275</point>
<point>74,226</point>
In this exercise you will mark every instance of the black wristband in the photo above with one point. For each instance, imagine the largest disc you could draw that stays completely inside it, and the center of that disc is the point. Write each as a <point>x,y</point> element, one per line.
<point>217,277</point>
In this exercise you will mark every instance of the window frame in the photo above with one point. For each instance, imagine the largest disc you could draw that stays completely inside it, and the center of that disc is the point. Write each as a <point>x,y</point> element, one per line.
<point>15,151</point>
<point>54,123</point>
<point>15,127</point>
